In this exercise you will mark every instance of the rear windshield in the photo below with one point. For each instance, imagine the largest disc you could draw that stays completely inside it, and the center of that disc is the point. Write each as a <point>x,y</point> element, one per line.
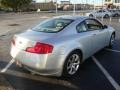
<point>52,25</point>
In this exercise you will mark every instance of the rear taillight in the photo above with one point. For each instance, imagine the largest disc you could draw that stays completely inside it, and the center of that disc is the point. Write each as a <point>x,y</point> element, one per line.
<point>40,48</point>
<point>13,42</point>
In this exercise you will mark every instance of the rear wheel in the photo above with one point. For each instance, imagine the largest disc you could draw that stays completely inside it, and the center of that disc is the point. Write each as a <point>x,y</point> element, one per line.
<point>90,15</point>
<point>112,40</point>
<point>116,15</point>
<point>106,16</point>
<point>72,64</point>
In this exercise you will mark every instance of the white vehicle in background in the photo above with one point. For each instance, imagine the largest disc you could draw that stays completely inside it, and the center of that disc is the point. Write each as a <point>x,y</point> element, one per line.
<point>118,11</point>
<point>100,13</point>
<point>114,12</point>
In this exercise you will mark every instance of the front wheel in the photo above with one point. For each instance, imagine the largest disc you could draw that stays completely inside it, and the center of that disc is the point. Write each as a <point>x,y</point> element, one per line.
<point>112,40</point>
<point>72,64</point>
<point>116,15</point>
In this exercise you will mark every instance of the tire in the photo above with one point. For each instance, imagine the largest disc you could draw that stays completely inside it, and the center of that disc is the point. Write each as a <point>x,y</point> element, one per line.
<point>72,64</point>
<point>106,16</point>
<point>90,15</point>
<point>112,39</point>
<point>116,15</point>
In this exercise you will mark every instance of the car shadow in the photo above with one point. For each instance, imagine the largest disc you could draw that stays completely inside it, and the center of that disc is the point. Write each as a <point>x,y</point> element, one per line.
<point>89,77</point>
<point>23,80</point>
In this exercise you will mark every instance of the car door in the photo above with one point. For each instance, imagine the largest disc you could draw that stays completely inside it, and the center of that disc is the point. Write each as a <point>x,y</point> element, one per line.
<point>99,34</point>
<point>98,13</point>
<point>84,39</point>
<point>103,13</point>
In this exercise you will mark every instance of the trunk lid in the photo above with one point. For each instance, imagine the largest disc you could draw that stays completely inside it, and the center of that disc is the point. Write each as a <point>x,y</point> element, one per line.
<point>29,39</point>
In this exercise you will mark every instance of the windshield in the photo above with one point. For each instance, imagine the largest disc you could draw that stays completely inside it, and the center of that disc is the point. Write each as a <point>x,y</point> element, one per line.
<point>52,25</point>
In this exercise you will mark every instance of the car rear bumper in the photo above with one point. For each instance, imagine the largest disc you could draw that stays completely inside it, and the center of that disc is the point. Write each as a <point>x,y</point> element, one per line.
<point>44,72</point>
<point>44,64</point>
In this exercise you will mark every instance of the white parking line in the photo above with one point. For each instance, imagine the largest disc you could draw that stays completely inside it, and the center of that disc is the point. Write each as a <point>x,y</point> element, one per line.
<point>7,66</point>
<point>44,17</point>
<point>107,75</point>
<point>113,50</point>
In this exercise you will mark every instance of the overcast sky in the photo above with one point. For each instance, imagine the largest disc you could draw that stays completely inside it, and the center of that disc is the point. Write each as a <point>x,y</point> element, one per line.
<point>77,1</point>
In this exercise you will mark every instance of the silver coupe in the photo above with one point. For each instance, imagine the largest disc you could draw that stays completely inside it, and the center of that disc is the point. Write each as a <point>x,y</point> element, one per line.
<point>59,45</point>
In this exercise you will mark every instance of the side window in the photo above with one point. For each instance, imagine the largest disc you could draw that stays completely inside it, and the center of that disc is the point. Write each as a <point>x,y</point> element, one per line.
<point>103,11</point>
<point>93,24</point>
<point>100,11</point>
<point>81,27</point>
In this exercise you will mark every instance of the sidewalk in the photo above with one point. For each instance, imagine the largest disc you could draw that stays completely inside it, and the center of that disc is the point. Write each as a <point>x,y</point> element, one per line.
<point>4,84</point>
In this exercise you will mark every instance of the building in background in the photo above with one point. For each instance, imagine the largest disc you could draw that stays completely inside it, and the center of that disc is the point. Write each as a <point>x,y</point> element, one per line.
<point>65,2</point>
<point>112,3</point>
<point>66,5</point>
<point>43,6</point>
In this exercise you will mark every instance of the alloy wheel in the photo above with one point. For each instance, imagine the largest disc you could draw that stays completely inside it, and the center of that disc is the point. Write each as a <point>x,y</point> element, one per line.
<point>112,39</point>
<point>73,64</point>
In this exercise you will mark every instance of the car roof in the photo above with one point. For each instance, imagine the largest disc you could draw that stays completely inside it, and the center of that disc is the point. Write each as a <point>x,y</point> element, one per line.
<point>72,17</point>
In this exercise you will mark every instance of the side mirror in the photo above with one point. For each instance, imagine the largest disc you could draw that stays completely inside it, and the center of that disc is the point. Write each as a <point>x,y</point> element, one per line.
<point>105,26</point>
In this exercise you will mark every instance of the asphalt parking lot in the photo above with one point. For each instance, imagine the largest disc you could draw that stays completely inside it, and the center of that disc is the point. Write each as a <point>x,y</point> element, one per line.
<point>100,72</point>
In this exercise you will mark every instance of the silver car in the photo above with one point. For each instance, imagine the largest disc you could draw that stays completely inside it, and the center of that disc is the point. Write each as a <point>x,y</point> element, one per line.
<point>115,13</point>
<point>100,13</point>
<point>59,45</point>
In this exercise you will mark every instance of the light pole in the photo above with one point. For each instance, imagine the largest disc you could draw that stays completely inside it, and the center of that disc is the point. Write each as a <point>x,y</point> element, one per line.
<point>74,9</point>
<point>102,4</point>
<point>56,7</point>
<point>86,5</point>
<point>93,5</point>
<point>102,11</point>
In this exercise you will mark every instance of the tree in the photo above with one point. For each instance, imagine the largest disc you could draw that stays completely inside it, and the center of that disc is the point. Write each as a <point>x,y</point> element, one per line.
<point>0,3</point>
<point>15,4</point>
